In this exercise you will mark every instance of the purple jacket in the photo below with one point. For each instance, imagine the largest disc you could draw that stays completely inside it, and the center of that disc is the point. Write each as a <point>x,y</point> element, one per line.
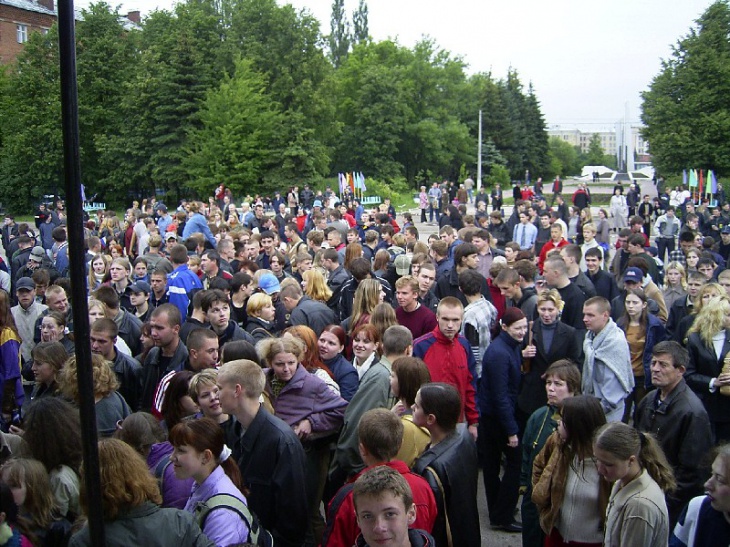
<point>175,492</point>
<point>307,397</point>
<point>222,526</point>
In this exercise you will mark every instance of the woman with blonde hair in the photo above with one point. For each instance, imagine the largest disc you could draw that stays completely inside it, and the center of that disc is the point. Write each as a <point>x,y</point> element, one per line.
<point>98,271</point>
<point>111,407</point>
<point>708,344</point>
<point>31,487</point>
<point>311,359</point>
<point>637,511</point>
<point>120,272</point>
<point>48,360</point>
<point>367,296</point>
<point>309,407</point>
<point>675,283</point>
<point>707,292</point>
<point>260,316</point>
<point>315,286</point>
<point>130,499</point>
<point>548,340</point>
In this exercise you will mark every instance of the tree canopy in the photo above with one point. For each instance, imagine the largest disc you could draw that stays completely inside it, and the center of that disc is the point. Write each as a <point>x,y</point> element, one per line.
<point>250,94</point>
<point>686,110</point>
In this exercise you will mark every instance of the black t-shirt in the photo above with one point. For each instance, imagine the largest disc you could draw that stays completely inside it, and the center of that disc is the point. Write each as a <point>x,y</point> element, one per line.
<point>573,308</point>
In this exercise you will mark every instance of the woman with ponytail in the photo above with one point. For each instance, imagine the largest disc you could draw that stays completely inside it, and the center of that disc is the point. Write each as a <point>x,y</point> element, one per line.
<point>637,512</point>
<point>201,454</point>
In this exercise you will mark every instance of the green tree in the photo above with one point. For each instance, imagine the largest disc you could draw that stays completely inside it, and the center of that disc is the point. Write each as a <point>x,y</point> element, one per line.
<point>240,137</point>
<point>360,31</point>
<point>686,111</point>
<point>107,55</point>
<point>182,59</point>
<point>31,149</point>
<point>286,47</point>
<point>339,38</point>
<point>563,158</point>
<point>595,151</point>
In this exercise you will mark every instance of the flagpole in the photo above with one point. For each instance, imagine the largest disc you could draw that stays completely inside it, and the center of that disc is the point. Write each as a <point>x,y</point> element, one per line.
<point>479,155</point>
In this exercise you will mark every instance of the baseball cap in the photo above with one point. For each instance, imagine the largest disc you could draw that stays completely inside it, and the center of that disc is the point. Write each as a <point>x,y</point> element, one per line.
<point>402,264</point>
<point>633,275</point>
<point>269,284</point>
<point>25,283</point>
<point>317,203</point>
<point>37,254</point>
<point>170,235</point>
<point>140,286</point>
<point>726,230</point>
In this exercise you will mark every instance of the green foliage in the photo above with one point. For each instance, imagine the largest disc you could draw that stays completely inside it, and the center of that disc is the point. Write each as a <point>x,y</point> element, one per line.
<point>564,158</point>
<point>360,32</point>
<point>390,189</point>
<point>595,151</point>
<point>245,92</point>
<point>339,38</point>
<point>240,138</point>
<point>31,148</point>
<point>498,174</point>
<point>686,110</point>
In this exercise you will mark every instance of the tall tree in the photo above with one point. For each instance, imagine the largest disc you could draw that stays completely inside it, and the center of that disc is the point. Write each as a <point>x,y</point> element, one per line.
<point>360,32</point>
<point>339,38</point>
<point>686,111</point>
<point>107,56</point>
<point>240,138</point>
<point>287,48</point>
<point>31,151</point>
<point>595,151</point>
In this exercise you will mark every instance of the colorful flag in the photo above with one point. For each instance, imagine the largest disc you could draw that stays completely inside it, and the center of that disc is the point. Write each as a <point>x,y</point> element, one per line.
<point>351,182</point>
<point>356,179</point>
<point>712,184</point>
<point>684,178</point>
<point>692,178</point>
<point>702,182</point>
<point>362,183</point>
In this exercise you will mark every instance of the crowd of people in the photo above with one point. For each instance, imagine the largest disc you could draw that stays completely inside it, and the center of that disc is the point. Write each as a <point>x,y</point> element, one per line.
<point>303,370</point>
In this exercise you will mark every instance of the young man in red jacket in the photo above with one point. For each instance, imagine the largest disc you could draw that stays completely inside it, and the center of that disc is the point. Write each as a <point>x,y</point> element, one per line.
<point>380,433</point>
<point>449,358</point>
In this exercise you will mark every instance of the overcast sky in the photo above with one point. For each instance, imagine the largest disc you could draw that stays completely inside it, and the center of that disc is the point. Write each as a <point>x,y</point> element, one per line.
<point>585,59</point>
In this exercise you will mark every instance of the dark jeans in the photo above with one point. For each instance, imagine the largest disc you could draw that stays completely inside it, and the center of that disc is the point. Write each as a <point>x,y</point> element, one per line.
<point>664,245</point>
<point>423,215</point>
<point>532,534</point>
<point>502,494</point>
<point>433,210</point>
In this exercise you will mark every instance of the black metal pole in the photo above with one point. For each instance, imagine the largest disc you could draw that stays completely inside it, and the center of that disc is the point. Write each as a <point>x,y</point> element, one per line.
<point>77,259</point>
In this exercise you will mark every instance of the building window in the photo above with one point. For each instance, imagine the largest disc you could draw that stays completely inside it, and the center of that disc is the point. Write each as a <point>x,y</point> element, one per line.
<point>44,31</point>
<point>22,33</point>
